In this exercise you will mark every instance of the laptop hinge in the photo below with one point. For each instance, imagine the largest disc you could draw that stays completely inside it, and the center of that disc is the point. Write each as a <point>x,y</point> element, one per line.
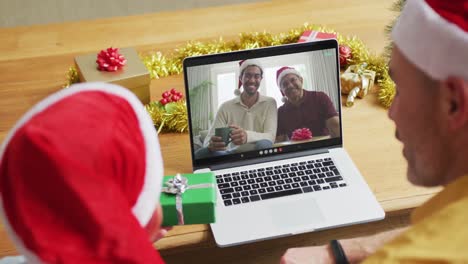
<point>268,159</point>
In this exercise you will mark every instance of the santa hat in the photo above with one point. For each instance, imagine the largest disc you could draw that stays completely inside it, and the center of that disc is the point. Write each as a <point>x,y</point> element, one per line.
<point>243,64</point>
<point>80,176</point>
<point>280,73</point>
<point>433,35</point>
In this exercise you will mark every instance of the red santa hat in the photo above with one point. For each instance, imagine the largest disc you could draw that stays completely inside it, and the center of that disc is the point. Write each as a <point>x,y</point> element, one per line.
<point>243,64</point>
<point>80,176</point>
<point>280,73</point>
<point>433,35</point>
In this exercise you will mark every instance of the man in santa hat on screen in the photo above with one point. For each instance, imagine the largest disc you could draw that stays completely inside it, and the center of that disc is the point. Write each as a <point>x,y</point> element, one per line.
<point>429,65</point>
<point>251,117</point>
<point>80,178</point>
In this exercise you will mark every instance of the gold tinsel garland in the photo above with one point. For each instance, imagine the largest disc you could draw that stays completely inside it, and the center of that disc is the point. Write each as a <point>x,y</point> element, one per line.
<point>72,76</point>
<point>387,87</point>
<point>173,116</point>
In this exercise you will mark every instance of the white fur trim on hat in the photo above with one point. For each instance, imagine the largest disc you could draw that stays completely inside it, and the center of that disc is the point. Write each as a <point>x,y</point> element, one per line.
<point>242,65</point>
<point>148,199</point>
<point>247,63</point>
<point>286,72</point>
<point>436,46</point>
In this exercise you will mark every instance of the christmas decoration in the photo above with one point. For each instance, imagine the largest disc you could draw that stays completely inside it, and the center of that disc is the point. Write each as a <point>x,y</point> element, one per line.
<point>386,85</point>
<point>170,96</point>
<point>134,76</point>
<point>396,7</point>
<point>189,199</point>
<point>169,114</point>
<point>161,65</point>
<point>72,77</point>
<point>345,55</point>
<point>356,81</point>
<point>301,134</point>
<point>310,35</point>
<point>110,60</point>
<point>387,90</point>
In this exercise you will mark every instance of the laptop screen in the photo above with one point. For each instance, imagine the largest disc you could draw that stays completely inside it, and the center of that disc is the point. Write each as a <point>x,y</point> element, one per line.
<point>261,103</point>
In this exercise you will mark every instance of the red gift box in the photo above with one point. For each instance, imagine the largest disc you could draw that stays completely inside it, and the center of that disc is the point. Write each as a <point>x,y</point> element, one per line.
<point>312,35</point>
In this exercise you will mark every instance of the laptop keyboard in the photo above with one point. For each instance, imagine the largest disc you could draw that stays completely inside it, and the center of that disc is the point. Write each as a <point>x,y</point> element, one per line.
<point>278,181</point>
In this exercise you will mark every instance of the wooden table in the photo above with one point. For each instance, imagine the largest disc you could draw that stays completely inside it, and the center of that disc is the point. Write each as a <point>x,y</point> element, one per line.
<point>34,60</point>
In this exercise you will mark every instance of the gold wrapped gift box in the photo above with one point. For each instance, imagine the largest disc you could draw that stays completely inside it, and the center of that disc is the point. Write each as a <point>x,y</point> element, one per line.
<point>133,76</point>
<point>356,81</point>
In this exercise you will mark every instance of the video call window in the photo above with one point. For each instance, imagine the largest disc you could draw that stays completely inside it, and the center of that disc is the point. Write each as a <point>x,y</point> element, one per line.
<point>212,85</point>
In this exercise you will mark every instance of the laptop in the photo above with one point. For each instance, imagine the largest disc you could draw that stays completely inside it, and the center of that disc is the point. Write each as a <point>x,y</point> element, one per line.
<point>294,185</point>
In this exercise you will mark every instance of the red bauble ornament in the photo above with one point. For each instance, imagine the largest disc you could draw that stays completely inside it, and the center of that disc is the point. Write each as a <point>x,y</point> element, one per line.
<point>171,95</point>
<point>345,54</point>
<point>163,101</point>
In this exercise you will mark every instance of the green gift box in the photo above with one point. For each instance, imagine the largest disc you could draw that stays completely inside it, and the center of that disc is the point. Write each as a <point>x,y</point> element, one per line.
<point>196,193</point>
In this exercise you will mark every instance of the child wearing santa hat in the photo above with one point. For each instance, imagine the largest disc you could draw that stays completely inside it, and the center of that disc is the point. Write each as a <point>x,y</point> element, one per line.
<point>80,178</point>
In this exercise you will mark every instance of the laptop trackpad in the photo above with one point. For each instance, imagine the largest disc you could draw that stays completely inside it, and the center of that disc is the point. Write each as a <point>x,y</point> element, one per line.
<point>297,213</point>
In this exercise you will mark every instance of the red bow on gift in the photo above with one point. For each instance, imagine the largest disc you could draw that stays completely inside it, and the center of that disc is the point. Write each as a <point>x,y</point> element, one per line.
<point>110,60</point>
<point>301,134</point>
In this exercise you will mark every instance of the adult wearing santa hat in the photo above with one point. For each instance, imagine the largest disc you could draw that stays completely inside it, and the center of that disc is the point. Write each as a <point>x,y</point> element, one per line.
<point>429,66</point>
<point>303,109</point>
<point>80,178</point>
<point>255,76</point>
<point>251,116</point>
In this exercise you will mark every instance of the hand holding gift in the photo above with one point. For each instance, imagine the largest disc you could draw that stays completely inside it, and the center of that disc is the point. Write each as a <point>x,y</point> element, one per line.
<point>356,81</point>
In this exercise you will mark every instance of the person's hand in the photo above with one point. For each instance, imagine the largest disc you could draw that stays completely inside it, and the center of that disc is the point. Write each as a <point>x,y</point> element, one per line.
<point>320,254</point>
<point>238,135</point>
<point>216,144</point>
<point>154,229</point>
<point>355,249</point>
<point>161,233</point>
